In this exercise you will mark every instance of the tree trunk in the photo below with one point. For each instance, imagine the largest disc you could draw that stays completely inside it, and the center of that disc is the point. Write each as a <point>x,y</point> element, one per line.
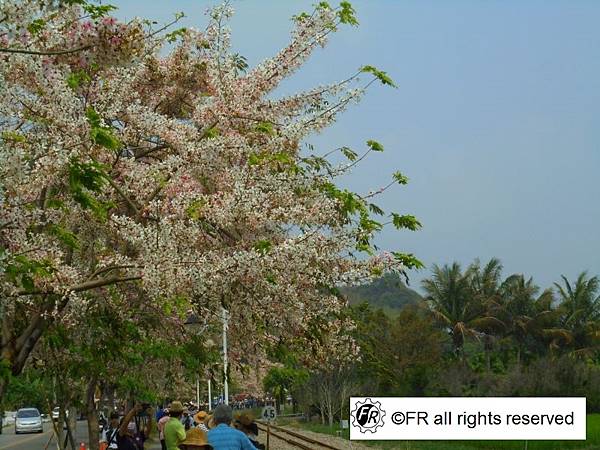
<point>69,422</point>
<point>52,421</point>
<point>60,424</point>
<point>3,389</point>
<point>328,399</point>
<point>92,416</point>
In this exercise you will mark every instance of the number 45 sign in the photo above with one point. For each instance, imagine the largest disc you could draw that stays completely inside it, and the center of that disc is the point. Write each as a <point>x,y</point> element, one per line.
<point>269,414</point>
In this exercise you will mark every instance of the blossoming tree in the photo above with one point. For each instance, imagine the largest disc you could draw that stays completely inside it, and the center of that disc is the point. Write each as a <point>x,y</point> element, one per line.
<point>181,179</point>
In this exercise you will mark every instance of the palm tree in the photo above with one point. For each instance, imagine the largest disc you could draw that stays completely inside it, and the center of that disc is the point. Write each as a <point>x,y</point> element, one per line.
<point>485,284</point>
<point>530,319</point>
<point>486,281</point>
<point>580,308</point>
<point>455,305</point>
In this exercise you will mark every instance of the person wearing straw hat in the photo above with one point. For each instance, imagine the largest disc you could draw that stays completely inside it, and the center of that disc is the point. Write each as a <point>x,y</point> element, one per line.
<point>174,430</point>
<point>200,419</point>
<point>195,439</point>
<point>245,423</point>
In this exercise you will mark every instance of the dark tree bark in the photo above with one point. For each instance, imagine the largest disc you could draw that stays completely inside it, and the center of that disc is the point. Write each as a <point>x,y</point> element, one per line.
<point>3,388</point>
<point>92,415</point>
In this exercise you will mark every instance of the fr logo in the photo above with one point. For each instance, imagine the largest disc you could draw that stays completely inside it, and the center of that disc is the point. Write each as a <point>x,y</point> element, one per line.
<point>368,416</point>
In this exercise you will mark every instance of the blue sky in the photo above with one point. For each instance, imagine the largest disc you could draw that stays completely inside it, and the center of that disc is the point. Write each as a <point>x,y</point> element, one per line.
<point>495,120</point>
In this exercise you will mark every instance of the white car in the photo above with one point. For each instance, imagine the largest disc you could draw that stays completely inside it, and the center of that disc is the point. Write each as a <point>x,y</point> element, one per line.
<point>28,420</point>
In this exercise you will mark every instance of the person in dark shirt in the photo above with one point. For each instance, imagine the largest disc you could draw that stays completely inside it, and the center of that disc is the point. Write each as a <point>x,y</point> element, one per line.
<point>130,437</point>
<point>246,424</point>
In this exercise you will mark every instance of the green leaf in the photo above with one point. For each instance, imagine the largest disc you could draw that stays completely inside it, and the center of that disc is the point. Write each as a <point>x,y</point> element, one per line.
<point>263,246</point>
<point>376,271</point>
<point>85,178</point>
<point>101,134</point>
<point>175,34</point>
<point>105,138</point>
<point>27,283</point>
<point>316,162</point>
<point>408,260</point>
<point>93,117</point>
<point>271,278</point>
<point>240,62</point>
<point>36,26</point>
<point>90,175</point>
<point>375,146</point>
<point>265,127</point>
<point>301,17</point>
<point>78,78</point>
<point>282,157</point>
<point>369,225</point>
<point>97,11</point>
<point>65,236</point>
<point>407,221</point>
<point>376,209</point>
<point>254,159</point>
<point>365,247</point>
<point>13,136</point>
<point>379,74</point>
<point>22,270</point>
<point>55,204</point>
<point>194,210</point>
<point>347,14</point>
<point>349,153</point>
<point>212,132</point>
<point>400,179</point>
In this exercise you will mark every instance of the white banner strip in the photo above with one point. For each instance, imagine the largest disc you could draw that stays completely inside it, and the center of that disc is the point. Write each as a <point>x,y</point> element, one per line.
<point>467,418</point>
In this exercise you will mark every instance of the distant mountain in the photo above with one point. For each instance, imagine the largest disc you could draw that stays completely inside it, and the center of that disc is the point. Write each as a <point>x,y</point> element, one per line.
<point>388,293</point>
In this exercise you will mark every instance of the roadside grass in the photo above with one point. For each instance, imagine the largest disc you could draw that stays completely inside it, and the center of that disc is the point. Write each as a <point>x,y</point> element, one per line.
<point>591,443</point>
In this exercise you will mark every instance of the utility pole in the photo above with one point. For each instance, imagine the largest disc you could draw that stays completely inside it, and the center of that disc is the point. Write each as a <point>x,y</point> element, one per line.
<point>225,380</point>
<point>198,390</point>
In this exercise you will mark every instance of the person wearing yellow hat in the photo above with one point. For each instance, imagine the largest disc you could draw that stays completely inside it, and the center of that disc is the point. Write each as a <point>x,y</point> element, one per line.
<point>200,419</point>
<point>195,440</point>
<point>174,430</point>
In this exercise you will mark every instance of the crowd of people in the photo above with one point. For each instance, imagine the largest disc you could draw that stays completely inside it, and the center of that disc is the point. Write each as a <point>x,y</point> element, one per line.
<point>182,428</point>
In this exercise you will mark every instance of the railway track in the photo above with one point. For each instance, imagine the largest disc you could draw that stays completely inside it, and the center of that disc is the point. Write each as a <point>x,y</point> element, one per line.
<point>295,439</point>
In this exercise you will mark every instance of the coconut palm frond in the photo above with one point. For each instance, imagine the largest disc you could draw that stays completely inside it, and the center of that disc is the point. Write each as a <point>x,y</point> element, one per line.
<point>487,323</point>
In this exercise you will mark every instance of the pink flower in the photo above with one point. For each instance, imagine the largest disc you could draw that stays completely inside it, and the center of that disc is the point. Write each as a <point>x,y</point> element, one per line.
<point>109,21</point>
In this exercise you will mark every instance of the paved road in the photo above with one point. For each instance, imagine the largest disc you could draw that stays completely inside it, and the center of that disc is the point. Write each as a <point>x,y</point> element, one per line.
<point>38,441</point>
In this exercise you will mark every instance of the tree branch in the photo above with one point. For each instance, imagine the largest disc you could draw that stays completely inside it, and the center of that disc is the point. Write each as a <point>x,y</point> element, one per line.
<point>147,151</point>
<point>87,285</point>
<point>45,52</point>
<point>130,202</point>
<point>160,187</point>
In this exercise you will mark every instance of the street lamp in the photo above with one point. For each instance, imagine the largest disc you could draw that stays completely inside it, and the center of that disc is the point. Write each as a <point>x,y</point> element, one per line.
<point>194,323</point>
<point>225,316</point>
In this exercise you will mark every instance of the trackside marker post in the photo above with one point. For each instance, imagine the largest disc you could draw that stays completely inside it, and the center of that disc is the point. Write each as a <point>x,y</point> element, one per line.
<point>269,413</point>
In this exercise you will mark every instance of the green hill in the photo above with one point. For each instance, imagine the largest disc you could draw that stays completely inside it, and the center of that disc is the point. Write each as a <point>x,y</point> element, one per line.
<point>388,293</point>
